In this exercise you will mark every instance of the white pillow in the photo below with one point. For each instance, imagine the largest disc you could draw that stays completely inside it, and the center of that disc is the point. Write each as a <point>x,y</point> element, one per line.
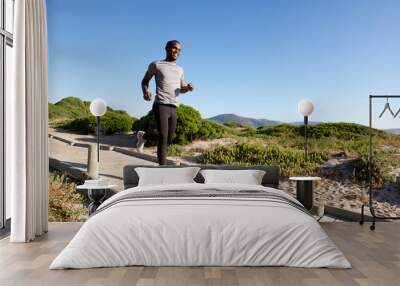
<point>165,176</point>
<point>249,177</point>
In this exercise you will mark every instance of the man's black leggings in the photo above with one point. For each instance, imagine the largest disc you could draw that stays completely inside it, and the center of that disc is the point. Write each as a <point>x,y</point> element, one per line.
<point>165,115</point>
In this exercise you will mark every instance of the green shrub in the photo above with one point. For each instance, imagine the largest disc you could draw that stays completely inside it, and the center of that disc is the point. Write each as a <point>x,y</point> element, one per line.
<point>84,125</point>
<point>124,112</point>
<point>147,123</point>
<point>55,112</point>
<point>361,171</point>
<point>248,131</point>
<point>174,150</point>
<point>280,130</point>
<point>380,168</point>
<point>290,161</point>
<point>72,107</point>
<point>111,122</point>
<point>343,130</point>
<point>114,122</point>
<point>188,125</point>
<point>234,124</point>
<point>65,204</point>
<point>211,130</point>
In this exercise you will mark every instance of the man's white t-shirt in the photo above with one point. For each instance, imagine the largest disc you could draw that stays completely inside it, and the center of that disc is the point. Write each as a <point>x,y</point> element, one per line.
<point>168,77</point>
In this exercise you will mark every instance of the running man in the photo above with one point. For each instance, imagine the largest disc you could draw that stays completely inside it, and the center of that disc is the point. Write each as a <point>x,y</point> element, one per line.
<point>169,84</point>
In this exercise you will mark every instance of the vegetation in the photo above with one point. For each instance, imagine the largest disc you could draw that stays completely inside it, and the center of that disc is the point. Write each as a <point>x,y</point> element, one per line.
<point>350,138</point>
<point>190,126</point>
<point>212,130</point>
<point>68,108</point>
<point>72,113</point>
<point>147,123</point>
<point>234,124</point>
<point>281,144</point>
<point>174,150</point>
<point>65,204</point>
<point>291,161</point>
<point>116,122</point>
<point>380,169</point>
<point>343,131</point>
<point>279,130</point>
<point>110,123</point>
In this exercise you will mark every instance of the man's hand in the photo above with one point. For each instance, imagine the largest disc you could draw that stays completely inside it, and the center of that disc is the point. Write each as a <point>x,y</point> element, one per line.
<point>190,87</point>
<point>147,95</point>
<point>186,88</point>
<point>145,84</point>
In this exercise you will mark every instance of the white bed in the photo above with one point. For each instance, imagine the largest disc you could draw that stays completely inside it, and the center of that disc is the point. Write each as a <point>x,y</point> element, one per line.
<point>185,230</point>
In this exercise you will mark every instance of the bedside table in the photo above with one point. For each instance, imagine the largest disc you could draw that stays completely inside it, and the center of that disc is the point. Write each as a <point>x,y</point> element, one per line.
<point>96,192</point>
<point>304,190</point>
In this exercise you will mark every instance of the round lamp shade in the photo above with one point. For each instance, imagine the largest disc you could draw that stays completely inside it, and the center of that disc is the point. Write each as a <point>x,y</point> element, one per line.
<point>98,107</point>
<point>305,107</point>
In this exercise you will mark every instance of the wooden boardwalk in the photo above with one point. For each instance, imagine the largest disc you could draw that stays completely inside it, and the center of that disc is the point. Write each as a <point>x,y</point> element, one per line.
<point>374,255</point>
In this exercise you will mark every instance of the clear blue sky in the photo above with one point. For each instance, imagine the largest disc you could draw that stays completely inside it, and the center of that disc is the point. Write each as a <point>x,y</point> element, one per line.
<point>252,58</point>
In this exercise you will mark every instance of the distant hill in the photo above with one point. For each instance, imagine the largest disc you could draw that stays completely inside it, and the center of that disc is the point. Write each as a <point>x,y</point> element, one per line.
<point>246,121</point>
<point>393,130</point>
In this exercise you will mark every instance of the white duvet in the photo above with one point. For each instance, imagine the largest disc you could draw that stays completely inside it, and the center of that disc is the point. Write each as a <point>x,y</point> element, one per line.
<point>200,231</point>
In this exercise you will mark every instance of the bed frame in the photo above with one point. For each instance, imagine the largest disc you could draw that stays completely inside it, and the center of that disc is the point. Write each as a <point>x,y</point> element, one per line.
<point>270,179</point>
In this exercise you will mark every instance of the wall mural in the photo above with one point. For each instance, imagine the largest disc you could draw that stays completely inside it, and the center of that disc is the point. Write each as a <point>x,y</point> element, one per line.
<point>244,106</point>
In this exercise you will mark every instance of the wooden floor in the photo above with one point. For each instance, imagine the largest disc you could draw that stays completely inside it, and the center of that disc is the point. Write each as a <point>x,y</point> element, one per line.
<point>375,257</point>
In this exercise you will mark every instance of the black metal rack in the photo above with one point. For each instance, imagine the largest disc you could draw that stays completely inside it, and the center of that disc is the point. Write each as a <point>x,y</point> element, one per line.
<point>370,163</point>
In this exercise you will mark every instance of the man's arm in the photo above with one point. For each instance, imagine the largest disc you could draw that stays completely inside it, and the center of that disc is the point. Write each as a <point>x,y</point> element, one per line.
<point>186,88</point>
<point>145,83</point>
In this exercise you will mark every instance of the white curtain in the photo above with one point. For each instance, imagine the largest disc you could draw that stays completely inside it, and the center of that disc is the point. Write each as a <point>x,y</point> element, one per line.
<point>26,124</point>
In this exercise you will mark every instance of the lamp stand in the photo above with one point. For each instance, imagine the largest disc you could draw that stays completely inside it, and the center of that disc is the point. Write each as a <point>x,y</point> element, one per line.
<point>306,137</point>
<point>98,137</point>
